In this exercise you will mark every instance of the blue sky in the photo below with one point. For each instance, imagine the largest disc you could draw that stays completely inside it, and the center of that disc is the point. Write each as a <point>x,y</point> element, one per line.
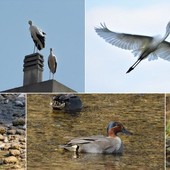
<point>63,22</point>
<point>106,65</point>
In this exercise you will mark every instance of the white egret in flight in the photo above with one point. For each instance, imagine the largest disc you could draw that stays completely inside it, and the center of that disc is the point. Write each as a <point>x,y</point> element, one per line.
<point>141,46</point>
<point>52,63</point>
<point>37,35</point>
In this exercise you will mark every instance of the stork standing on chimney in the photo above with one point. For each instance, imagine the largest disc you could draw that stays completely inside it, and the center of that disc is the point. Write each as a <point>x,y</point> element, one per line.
<point>38,36</point>
<point>52,63</point>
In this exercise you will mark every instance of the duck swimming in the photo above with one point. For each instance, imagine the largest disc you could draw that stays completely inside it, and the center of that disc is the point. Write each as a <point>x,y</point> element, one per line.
<point>111,144</point>
<point>68,102</point>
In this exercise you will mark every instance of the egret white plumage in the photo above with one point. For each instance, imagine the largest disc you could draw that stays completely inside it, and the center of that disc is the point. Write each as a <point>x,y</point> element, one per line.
<point>38,36</point>
<point>141,46</point>
<point>52,63</point>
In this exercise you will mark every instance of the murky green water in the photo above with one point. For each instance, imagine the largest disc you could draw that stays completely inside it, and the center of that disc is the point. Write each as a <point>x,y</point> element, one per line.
<point>142,114</point>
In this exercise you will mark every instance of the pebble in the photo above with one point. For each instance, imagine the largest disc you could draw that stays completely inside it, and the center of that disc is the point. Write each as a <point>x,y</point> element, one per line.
<point>11,137</point>
<point>11,132</point>
<point>19,103</point>
<point>19,121</point>
<point>17,167</point>
<point>1,137</point>
<point>7,146</point>
<point>2,145</point>
<point>6,139</point>
<point>22,139</point>
<point>23,146</point>
<point>20,132</point>
<point>15,146</point>
<point>2,130</point>
<point>6,101</point>
<point>14,152</point>
<point>10,160</point>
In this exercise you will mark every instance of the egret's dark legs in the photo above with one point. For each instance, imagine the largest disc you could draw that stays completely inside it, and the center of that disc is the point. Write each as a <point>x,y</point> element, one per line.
<point>134,65</point>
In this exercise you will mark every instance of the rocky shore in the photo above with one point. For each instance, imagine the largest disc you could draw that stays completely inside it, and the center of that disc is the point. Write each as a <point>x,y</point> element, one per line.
<point>12,131</point>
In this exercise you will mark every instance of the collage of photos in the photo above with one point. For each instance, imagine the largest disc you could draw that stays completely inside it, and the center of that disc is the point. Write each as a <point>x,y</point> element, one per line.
<point>85,85</point>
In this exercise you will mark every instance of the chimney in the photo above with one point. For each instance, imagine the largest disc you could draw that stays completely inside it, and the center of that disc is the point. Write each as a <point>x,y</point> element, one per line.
<point>33,68</point>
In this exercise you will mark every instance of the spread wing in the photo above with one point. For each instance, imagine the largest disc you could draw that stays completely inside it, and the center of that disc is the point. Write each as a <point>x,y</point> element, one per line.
<point>121,40</point>
<point>163,51</point>
<point>136,43</point>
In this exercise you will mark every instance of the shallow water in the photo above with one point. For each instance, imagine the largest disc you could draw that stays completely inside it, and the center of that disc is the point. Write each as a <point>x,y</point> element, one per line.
<point>142,114</point>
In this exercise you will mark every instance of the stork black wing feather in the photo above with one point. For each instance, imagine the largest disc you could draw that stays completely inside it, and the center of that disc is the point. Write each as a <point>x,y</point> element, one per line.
<point>42,39</point>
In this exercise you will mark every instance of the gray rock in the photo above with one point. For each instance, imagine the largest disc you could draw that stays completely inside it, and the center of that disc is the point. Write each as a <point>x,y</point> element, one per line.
<point>20,132</point>
<point>19,103</point>
<point>2,97</point>
<point>19,121</point>
<point>11,132</point>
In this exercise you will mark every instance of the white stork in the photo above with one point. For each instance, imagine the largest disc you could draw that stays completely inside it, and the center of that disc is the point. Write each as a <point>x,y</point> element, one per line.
<point>38,36</point>
<point>52,63</point>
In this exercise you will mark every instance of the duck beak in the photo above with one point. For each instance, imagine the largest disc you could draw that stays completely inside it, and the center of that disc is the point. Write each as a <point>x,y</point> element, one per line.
<point>126,132</point>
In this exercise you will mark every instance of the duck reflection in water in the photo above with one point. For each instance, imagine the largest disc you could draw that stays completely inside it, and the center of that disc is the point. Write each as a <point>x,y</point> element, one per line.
<point>111,144</point>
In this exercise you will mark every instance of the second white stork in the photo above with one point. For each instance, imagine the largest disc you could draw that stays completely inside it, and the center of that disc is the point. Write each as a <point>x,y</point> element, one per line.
<point>38,36</point>
<point>52,63</point>
<point>141,46</point>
